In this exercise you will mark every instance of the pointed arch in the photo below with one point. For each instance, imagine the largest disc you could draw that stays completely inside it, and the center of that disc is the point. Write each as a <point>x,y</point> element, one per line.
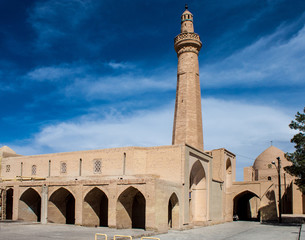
<point>61,207</point>
<point>95,209</point>
<point>197,193</point>
<point>245,205</point>
<point>131,209</point>
<point>173,211</point>
<point>228,173</point>
<point>30,206</point>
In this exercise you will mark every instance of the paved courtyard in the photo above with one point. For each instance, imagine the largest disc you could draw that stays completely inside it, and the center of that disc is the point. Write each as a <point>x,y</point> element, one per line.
<point>232,230</point>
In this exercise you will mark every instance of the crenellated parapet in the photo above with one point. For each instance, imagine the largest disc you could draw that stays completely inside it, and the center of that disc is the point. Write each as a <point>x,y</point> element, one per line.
<point>187,36</point>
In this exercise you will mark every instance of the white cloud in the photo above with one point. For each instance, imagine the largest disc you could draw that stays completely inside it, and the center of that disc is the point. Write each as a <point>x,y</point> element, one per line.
<point>120,65</point>
<point>271,60</point>
<point>56,73</point>
<point>123,85</point>
<point>243,128</point>
<point>82,79</point>
<point>143,128</point>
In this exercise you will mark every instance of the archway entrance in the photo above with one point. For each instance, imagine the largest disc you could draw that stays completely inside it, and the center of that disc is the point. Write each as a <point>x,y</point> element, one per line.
<point>9,203</point>
<point>30,206</point>
<point>246,206</point>
<point>131,207</point>
<point>95,208</point>
<point>173,212</point>
<point>61,207</point>
<point>197,193</point>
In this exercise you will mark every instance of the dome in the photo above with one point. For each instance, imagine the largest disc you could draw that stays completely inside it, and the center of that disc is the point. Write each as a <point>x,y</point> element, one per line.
<point>269,155</point>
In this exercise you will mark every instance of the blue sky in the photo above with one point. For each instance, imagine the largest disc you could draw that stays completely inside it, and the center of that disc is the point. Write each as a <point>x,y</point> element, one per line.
<point>81,74</point>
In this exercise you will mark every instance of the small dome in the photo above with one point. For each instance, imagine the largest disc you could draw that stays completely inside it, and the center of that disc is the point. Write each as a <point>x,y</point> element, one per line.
<point>187,12</point>
<point>269,155</point>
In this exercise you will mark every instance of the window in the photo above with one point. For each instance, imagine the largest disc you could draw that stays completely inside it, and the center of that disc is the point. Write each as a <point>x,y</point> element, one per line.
<point>8,168</point>
<point>97,168</point>
<point>34,169</point>
<point>63,167</point>
<point>269,178</point>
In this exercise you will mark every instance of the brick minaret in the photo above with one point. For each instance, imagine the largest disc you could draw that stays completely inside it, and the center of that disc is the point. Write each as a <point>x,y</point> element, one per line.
<point>188,120</point>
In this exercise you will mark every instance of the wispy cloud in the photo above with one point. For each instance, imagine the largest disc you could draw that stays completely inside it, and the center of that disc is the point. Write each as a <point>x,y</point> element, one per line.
<point>88,81</point>
<point>123,85</point>
<point>245,129</point>
<point>54,20</point>
<point>142,128</point>
<point>56,73</point>
<point>120,65</point>
<point>273,59</point>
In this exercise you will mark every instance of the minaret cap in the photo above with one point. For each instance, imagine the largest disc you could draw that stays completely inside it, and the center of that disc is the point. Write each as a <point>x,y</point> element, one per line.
<point>187,21</point>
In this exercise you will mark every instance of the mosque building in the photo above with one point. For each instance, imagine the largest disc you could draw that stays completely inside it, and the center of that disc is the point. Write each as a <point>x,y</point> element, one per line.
<point>154,188</point>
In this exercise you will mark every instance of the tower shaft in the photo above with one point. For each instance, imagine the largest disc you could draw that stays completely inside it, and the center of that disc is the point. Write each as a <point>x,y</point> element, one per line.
<point>188,118</point>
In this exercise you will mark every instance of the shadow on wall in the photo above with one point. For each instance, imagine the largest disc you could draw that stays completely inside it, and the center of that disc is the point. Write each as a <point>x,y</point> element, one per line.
<point>95,210</point>
<point>287,200</point>
<point>30,206</point>
<point>61,207</point>
<point>269,212</point>
<point>131,207</point>
<point>303,198</point>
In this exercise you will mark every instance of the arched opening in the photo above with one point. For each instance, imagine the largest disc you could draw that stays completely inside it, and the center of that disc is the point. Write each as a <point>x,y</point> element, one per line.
<point>246,206</point>
<point>9,203</point>
<point>197,193</point>
<point>228,173</point>
<point>30,206</point>
<point>131,207</point>
<point>95,211</point>
<point>173,212</point>
<point>61,207</point>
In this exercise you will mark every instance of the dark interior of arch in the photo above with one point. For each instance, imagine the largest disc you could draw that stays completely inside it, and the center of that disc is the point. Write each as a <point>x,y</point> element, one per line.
<point>228,165</point>
<point>197,174</point>
<point>9,203</point>
<point>65,202</point>
<point>173,201</point>
<point>98,201</point>
<point>33,200</point>
<point>242,206</point>
<point>134,204</point>
<point>138,211</point>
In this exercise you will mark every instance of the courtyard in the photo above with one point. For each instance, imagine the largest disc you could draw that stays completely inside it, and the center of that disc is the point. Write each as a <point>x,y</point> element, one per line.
<point>232,230</point>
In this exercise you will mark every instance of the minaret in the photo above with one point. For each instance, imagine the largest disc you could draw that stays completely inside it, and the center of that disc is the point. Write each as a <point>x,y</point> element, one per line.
<point>188,120</point>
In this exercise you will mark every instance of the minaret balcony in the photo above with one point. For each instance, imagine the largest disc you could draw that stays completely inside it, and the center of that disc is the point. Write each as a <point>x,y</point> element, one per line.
<point>187,42</point>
